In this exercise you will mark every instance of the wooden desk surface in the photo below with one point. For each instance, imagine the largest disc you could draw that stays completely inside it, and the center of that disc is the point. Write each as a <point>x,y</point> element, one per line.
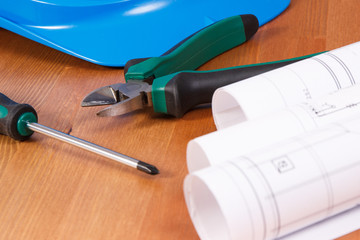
<point>51,190</point>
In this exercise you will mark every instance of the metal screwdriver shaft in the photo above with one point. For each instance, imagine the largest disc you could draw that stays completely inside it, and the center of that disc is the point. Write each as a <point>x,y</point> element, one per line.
<point>19,121</point>
<point>142,166</point>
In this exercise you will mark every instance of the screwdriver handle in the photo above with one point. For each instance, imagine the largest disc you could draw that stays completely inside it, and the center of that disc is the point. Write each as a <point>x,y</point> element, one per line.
<point>195,50</point>
<point>177,93</point>
<point>14,118</point>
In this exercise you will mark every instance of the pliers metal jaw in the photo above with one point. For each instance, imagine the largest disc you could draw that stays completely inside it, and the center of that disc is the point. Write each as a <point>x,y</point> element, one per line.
<point>124,98</point>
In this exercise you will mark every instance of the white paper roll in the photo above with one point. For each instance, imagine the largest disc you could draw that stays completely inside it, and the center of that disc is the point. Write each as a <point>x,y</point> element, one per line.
<point>280,189</point>
<point>248,136</point>
<point>286,86</point>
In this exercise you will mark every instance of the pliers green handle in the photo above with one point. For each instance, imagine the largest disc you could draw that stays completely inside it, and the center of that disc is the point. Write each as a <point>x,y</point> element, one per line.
<point>177,93</point>
<point>169,84</point>
<point>195,50</point>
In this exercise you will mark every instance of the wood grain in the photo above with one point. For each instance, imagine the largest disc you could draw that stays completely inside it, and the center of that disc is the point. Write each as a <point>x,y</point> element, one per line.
<point>50,190</point>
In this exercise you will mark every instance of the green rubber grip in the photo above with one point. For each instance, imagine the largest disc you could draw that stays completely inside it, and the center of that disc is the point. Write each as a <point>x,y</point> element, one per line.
<point>14,118</point>
<point>195,50</point>
<point>177,93</point>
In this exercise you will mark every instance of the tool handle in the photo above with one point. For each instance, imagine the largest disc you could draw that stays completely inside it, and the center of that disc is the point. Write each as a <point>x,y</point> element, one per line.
<point>14,118</point>
<point>195,50</point>
<point>177,93</point>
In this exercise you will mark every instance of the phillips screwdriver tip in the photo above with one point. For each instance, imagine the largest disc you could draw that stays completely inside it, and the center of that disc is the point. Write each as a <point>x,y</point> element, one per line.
<point>148,168</point>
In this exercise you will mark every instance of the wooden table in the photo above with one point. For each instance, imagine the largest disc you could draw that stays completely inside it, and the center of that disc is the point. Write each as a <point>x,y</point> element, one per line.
<point>51,190</point>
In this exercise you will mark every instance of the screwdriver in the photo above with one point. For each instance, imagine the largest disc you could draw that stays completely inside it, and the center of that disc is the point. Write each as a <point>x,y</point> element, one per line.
<point>19,121</point>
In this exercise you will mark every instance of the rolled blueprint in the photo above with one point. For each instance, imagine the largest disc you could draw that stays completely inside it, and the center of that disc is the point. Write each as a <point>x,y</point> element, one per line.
<point>279,189</point>
<point>248,136</point>
<point>286,86</point>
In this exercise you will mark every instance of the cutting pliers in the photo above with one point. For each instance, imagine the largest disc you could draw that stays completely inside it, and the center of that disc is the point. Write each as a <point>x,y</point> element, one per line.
<point>169,82</point>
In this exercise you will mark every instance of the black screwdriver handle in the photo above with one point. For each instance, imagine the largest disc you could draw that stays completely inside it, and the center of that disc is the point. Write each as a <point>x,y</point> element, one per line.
<point>177,93</point>
<point>14,118</point>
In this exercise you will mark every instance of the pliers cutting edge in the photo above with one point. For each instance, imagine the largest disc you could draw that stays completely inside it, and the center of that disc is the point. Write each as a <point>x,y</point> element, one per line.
<point>169,82</point>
